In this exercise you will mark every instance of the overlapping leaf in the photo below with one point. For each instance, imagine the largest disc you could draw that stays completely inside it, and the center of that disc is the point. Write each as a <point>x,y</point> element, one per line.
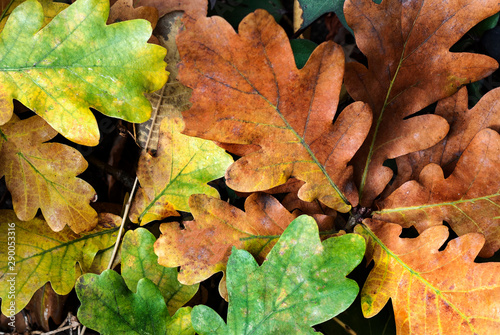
<point>174,97</point>
<point>302,283</point>
<point>139,261</point>
<point>77,62</point>
<point>203,247</point>
<point>432,291</point>
<point>109,307</point>
<point>42,255</point>
<point>247,90</point>
<point>464,125</point>
<point>50,9</point>
<point>409,67</point>
<point>469,200</point>
<point>123,10</point>
<point>182,167</point>
<point>43,175</point>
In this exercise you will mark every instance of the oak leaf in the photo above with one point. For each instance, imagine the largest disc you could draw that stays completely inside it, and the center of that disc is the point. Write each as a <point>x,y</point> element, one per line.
<point>432,291</point>
<point>173,97</point>
<point>50,10</point>
<point>77,62</point>
<point>248,90</point>
<point>469,199</point>
<point>302,283</point>
<point>42,255</point>
<point>464,125</point>
<point>203,247</point>
<point>409,67</point>
<point>43,175</point>
<point>123,10</point>
<point>182,167</point>
<point>139,261</point>
<point>109,307</point>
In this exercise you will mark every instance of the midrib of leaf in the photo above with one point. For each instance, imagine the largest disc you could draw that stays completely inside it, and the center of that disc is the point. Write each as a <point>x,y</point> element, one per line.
<point>49,182</point>
<point>299,138</point>
<point>402,58</point>
<point>170,182</point>
<point>441,204</point>
<point>68,243</point>
<point>417,275</point>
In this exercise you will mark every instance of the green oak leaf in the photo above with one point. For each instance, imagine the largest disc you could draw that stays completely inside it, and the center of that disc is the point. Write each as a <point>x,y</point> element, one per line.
<point>109,307</point>
<point>42,255</point>
<point>302,283</point>
<point>140,261</point>
<point>50,9</point>
<point>183,166</point>
<point>76,62</point>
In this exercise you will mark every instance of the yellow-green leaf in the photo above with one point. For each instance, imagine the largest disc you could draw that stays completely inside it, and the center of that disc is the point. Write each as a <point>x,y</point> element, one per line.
<point>77,62</point>
<point>182,167</point>
<point>50,9</point>
<point>43,175</point>
<point>41,255</point>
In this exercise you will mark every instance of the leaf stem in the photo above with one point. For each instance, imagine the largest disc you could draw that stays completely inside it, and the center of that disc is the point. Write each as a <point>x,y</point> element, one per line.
<point>134,188</point>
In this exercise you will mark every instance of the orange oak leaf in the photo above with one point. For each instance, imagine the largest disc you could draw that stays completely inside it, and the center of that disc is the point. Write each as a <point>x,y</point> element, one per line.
<point>464,125</point>
<point>248,90</point>
<point>409,67</point>
<point>43,175</point>
<point>203,247</point>
<point>432,291</point>
<point>469,199</point>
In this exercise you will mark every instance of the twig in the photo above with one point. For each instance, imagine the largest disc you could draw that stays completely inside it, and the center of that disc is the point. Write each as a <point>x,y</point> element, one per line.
<point>345,326</point>
<point>132,192</point>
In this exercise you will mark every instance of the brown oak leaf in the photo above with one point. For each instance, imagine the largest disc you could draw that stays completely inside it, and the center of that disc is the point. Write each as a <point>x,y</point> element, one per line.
<point>464,125</point>
<point>432,291</point>
<point>248,90</point>
<point>469,199</point>
<point>43,175</point>
<point>409,67</point>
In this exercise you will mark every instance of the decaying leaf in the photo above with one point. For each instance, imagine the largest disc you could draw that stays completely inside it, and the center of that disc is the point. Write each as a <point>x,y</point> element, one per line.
<point>109,307</point>
<point>139,261</point>
<point>45,304</point>
<point>203,247</point>
<point>409,67</point>
<point>43,175</point>
<point>173,98</point>
<point>432,291</point>
<point>464,125</point>
<point>42,255</point>
<point>302,283</point>
<point>182,167</point>
<point>247,90</point>
<point>469,199</point>
<point>77,62</point>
